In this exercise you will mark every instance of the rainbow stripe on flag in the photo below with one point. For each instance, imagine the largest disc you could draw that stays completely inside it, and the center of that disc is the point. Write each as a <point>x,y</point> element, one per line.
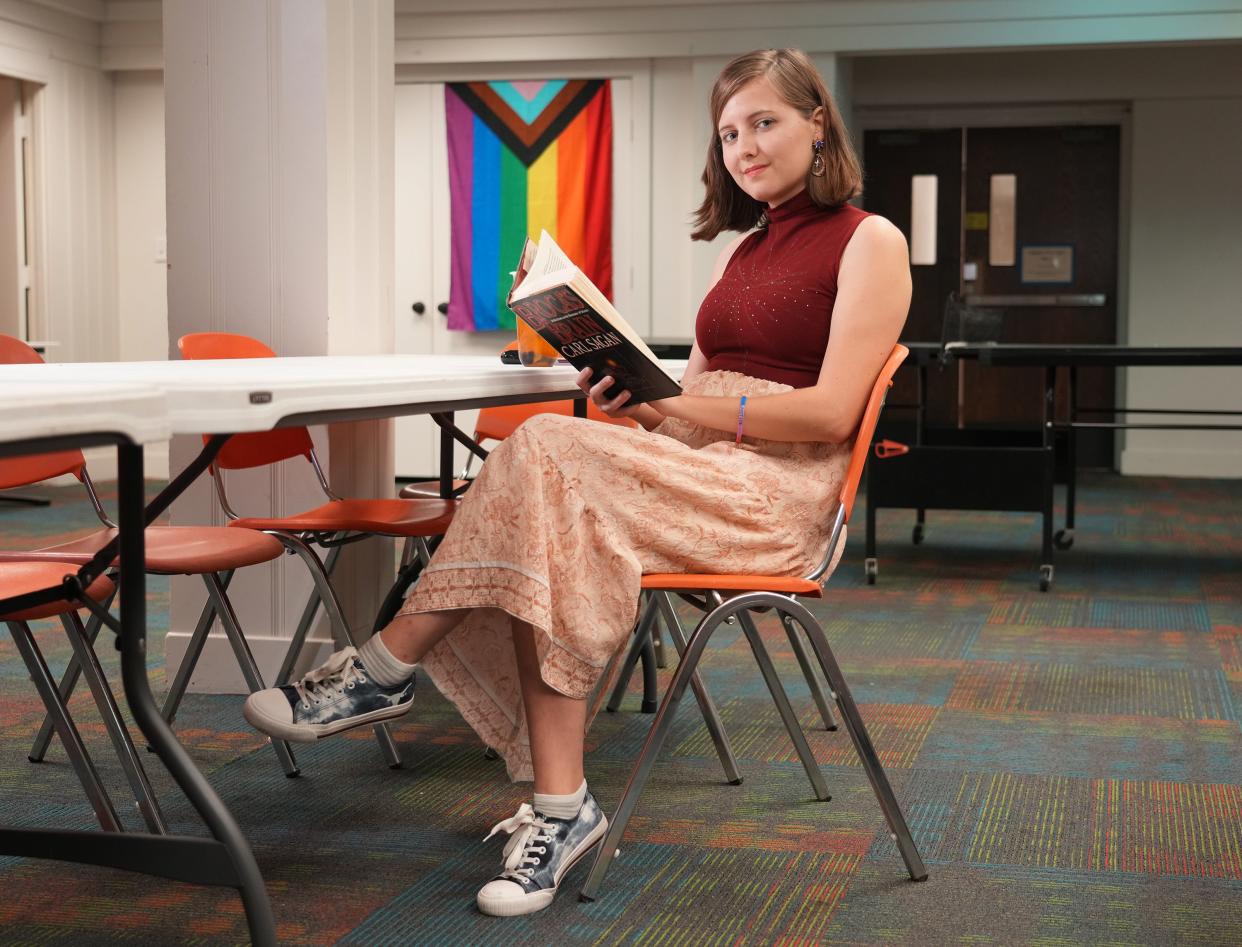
<point>525,157</point>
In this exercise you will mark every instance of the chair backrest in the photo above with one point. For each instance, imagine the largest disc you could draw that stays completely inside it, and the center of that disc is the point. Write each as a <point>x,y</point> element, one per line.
<point>866,426</point>
<point>246,450</point>
<point>23,471</point>
<point>499,422</point>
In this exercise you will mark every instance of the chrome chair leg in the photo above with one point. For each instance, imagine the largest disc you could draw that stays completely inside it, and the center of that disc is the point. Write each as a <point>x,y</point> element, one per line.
<point>193,650</point>
<point>641,636</point>
<point>340,627</point>
<point>68,681</point>
<point>781,699</point>
<point>715,726</point>
<point>70,739</point>
<point>812,679</point>
<point>114,723</point>
<point>304,623</point>
<point>657,639</point>
<point>245,661</point>
<point>862,740</point>
<point>651,751</point>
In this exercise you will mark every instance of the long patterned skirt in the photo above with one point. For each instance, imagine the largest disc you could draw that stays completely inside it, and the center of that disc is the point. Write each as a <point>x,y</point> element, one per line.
<point>568,514</point>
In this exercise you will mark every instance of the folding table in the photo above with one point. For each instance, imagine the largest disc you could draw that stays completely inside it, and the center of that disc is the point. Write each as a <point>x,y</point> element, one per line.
<point>54,406</point>
<point>1020,477</point>
<point>41,415</point>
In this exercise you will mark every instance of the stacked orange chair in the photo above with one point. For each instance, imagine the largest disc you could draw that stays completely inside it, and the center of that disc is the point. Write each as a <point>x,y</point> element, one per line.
<point>212,552</point>
<point>19,577</point>
<point>330,526</point>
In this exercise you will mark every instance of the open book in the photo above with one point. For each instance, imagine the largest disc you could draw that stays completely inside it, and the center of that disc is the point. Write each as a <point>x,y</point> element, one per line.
<point>556,299</point>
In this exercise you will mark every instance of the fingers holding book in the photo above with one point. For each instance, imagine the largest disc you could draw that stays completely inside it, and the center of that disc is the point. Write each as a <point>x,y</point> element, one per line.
<point>599,392</point>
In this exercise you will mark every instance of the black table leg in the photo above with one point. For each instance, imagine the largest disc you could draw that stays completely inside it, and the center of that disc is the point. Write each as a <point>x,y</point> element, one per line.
<point>920,419</point>
<point>446,457</point>
<point>1064,538</point>
<point>1049,454</point>
<point>133,645</point>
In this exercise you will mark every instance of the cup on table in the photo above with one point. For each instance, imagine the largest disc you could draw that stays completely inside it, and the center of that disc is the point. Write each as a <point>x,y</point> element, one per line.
<point>532,349</point>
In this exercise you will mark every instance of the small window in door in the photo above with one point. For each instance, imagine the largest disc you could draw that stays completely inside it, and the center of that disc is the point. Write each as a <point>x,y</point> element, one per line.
<point>924,190</point>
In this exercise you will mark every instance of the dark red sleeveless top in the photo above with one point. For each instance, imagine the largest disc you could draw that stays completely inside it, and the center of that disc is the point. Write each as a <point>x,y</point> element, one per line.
<point>769,314</point>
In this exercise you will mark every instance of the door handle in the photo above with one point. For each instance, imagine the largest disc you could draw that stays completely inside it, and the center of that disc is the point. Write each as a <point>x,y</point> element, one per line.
<point>419,309</point>
<point>442,308</point>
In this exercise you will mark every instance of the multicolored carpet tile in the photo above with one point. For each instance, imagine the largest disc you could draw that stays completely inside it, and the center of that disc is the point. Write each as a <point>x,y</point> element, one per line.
<point>1070,764</point>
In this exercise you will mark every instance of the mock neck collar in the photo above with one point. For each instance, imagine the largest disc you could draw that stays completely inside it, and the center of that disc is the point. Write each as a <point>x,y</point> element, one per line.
<point>801,203</point>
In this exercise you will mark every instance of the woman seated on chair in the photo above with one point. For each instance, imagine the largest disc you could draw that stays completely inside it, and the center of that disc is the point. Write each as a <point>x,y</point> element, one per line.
<point>534,589</point>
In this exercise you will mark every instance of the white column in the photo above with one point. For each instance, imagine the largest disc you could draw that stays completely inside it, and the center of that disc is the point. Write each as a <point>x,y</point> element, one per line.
<point>279,130</point>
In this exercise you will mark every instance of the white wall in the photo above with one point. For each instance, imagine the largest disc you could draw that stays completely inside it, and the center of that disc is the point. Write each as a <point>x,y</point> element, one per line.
<point>1185,276</point>
<point>10,209</point>
<point>73,127</point>
<point>141,229</point>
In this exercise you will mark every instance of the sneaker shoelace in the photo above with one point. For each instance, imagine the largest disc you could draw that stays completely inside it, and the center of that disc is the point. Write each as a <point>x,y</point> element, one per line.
<point>526,830</point>
<point>333,677</point>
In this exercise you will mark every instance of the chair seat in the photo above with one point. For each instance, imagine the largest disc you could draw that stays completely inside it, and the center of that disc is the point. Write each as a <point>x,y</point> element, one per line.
<point>688,582</point>
<point>180,550</point>
<point>391,517</point>
<point>19,578</point>
<point>427,489</point>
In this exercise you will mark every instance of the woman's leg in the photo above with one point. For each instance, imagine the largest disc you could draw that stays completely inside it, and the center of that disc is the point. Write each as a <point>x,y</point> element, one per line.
<point>566,821</point>
<point>557,723</point>
<point>350,690</point>
<point>409,637</point>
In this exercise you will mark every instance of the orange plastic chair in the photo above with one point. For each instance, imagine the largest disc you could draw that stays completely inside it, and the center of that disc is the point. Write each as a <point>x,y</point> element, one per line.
<point>211,552</point>
<point>729,596</point>
<point>497,423</point>
<point>20,578</point>
<point>330,526</point>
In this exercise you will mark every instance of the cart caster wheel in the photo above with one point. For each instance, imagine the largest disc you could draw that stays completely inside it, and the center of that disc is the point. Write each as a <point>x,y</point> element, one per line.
<point>872,568</point>
<point>916,534</point>
<point>1063,539</point>
<point>1045,578</point>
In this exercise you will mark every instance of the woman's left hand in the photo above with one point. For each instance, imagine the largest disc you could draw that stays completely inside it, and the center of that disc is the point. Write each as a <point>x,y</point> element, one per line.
<point>613,407</point>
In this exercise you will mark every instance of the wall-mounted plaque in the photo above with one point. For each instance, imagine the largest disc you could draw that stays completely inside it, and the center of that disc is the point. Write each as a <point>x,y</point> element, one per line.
<point>1053,263</point>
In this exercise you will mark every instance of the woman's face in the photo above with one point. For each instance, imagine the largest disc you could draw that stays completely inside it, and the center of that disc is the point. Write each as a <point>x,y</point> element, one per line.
<point>766,143</point>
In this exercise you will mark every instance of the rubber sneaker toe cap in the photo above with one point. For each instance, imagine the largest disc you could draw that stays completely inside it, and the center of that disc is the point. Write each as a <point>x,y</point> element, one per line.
<point>270,712</point>
<point>503,898</point>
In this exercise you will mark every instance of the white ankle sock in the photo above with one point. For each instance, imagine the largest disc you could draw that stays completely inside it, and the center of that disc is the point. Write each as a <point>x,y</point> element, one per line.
<point>561,807</point>
<point>384,667</point>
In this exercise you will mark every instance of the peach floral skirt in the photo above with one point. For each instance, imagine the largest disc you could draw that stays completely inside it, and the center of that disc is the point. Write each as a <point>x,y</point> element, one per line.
<point>566,516</point>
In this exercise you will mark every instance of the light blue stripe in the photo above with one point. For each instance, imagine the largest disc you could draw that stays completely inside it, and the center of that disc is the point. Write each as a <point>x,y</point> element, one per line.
<point>528,111</point>
<point>485,225</point>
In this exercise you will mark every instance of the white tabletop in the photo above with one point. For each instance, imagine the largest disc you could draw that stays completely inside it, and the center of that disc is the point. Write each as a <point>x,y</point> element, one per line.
<point>53,408</point>
<point>236,395</point>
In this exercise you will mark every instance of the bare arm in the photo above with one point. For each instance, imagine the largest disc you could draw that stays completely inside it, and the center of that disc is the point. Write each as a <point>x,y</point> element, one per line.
<point>873,298</point>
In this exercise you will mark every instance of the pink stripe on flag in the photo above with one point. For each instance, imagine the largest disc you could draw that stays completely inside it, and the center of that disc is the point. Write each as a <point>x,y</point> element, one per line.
<point>460,123</point>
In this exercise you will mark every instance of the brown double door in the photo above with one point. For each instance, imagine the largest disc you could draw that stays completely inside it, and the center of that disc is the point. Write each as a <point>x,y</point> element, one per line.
<point>1054,274</point>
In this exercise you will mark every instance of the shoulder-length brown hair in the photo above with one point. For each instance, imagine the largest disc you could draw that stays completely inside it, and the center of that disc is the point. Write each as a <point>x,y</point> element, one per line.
<point>726,206</point>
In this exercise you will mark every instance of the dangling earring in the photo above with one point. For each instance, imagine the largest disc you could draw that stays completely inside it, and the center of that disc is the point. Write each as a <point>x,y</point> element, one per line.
<point>817,162</point>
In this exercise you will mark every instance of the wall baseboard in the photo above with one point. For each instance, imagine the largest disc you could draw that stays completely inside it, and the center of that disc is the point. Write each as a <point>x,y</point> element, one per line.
<point>1153,462</point>
<point>217,671</point>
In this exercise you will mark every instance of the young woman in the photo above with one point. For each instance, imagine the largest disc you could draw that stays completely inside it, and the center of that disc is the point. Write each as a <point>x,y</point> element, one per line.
<point>535,587</point>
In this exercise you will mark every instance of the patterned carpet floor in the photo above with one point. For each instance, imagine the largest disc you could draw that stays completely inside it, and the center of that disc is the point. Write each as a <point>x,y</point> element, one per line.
<point>1070,764</point>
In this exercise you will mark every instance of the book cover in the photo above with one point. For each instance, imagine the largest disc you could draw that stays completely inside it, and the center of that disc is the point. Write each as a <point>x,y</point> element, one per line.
<point>588,340</point>
<point>556,299</point>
